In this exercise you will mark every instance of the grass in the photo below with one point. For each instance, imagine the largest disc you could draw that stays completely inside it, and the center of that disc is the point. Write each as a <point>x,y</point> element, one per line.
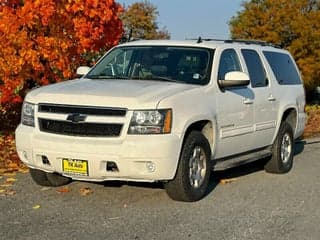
<point>9,160</point>
<point>312,128</point>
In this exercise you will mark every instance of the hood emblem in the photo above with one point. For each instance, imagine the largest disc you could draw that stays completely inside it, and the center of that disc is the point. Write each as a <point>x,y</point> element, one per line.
<point>76,117</point>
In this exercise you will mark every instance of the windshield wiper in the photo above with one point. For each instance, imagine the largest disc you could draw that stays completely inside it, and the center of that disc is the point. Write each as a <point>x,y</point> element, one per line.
<point>155,78</point>
<point>159,78</point>
<point>106,77</point>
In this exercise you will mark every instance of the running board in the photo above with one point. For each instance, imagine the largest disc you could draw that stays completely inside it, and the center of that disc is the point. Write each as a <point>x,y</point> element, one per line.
<point>234,161</point>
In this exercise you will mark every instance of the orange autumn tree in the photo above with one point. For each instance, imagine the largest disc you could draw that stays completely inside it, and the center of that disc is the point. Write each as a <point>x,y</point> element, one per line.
<point>43,41</point>
<point>292,24</point>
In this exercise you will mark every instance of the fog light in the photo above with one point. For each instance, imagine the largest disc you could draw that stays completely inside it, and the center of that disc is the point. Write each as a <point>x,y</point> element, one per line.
<point>151,167</point>
<point>45,160</point>
<point>112,167</point>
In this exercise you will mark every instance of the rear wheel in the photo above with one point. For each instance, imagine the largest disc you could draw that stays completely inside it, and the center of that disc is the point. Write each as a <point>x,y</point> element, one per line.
<point>282,151</point>
<point>192,176</point>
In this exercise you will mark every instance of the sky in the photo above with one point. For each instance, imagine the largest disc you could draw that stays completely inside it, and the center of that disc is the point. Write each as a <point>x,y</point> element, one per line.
<point>191,18</point>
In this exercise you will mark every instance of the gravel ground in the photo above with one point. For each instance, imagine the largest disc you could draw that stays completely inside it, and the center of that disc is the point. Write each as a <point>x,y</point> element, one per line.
<point>256,205</point>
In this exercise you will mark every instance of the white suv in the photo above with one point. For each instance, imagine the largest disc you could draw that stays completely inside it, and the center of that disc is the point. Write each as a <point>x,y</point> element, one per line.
<point>168,111</point>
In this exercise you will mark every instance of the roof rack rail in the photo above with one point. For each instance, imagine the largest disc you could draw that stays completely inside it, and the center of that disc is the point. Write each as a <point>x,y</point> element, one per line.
<point>256,42</point>
<point>244,41</point>
<point>200,39</point>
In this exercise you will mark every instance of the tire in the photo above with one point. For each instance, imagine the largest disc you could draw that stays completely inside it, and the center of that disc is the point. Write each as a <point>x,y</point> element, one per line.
<point>39,177</point>
<point>57,180</point>
<point>282,151</point>
<point>192,177</point>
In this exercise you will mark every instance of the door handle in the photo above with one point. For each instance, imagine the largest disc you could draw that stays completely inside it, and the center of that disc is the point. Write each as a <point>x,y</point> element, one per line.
<point>247,101</point>
<point>271,98</point>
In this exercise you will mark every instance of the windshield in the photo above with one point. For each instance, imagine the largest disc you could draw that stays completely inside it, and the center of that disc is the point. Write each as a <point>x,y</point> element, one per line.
<point>177,64</point>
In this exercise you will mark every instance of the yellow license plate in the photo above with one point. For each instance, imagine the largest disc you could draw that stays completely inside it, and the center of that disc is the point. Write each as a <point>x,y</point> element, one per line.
<point>75,167</point>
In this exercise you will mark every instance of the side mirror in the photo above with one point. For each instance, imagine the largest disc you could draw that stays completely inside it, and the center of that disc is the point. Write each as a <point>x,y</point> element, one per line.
<point>235,79</point>
<point>83,70</point>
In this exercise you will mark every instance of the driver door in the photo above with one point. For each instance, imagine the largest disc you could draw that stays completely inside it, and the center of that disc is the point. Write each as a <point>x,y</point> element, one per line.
<point>234,110</point>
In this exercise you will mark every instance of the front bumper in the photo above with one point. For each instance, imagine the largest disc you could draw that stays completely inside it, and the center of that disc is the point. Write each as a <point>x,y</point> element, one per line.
<point>131,154</point>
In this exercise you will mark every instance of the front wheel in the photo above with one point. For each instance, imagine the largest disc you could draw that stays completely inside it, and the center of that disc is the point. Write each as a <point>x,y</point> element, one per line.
<point>282,151</point>
<point>192,176</point>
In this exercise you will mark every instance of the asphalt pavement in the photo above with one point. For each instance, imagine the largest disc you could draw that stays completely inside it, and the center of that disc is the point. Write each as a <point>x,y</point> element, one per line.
<point>242,203</point>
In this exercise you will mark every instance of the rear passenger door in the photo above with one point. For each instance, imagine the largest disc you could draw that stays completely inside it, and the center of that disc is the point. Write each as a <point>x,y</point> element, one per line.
<point>265,103</point>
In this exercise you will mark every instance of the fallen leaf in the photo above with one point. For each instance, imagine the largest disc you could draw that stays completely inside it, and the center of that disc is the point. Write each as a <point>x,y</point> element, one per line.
<point>36,206</point>
<point>13,165</point>
<point>45,189</point>
<point>228,180</point>
<point>7,192</point>
<point>6,185</point>
<point>63,190</point>
<point>125,205</point>
<point>11,180</point>
<point>10,192</point>
<point>9,174</point>
<point>23,170</point>
<point>85,191</point>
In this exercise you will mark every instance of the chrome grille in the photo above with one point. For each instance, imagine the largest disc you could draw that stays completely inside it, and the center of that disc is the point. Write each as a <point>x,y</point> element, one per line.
<point>73,122</point>
<point>97,111</point>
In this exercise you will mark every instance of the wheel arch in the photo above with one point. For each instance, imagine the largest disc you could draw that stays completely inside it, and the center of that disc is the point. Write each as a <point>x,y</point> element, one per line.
<point>289,115</point>
<point>207,127</point>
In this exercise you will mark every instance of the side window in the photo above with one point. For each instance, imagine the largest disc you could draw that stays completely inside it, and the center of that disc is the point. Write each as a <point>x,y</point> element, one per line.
<point>283,68</point>
<point>229,62</point>
<point>256,70</point>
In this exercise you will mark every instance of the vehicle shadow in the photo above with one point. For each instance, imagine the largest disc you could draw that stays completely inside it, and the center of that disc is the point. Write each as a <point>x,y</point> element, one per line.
<point>253,166</point>
<point>230,174</point>
<point>119,184</point>
<point>216,176</point>
<point>299,147</point>
<point>246,169</point>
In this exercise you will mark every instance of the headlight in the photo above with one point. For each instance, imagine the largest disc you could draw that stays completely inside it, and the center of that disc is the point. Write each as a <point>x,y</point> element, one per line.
<point>27,115</point>
<point>151,122</point>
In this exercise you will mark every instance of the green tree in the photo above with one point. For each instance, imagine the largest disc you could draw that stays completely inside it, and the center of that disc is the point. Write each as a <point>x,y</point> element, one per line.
<point>140,19</point>
<point>292,24</point>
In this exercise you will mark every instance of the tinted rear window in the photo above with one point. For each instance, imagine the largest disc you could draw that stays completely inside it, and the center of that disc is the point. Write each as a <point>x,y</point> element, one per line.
<point>255,68</point>
<point>283,68</point>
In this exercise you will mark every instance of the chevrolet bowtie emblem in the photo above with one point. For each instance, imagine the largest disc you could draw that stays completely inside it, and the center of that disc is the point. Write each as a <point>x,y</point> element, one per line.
<point>76,117</point>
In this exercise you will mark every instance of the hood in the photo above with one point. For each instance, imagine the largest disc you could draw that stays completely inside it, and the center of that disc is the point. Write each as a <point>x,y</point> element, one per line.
<point>129,94</point>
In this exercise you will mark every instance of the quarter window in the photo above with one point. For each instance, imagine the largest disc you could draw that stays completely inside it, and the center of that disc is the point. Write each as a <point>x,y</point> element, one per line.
<point>255,68</point>
<point>283,68</point>
<point>229,62</point>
